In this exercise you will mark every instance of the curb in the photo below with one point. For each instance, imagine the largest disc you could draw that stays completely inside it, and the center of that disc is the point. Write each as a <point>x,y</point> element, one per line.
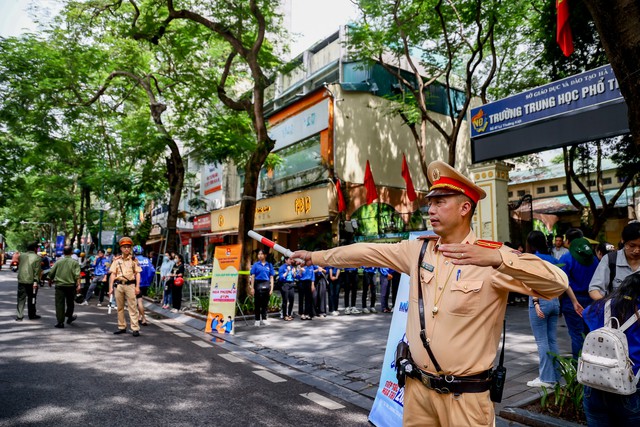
<point>533,419</point>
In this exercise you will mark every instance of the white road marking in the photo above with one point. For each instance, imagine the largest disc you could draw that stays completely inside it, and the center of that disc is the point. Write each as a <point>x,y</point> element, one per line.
<point>201,343</point>
<point>231,358</point>
<point>182,334</point>
<point>322,401</point>
<point>269,376</point>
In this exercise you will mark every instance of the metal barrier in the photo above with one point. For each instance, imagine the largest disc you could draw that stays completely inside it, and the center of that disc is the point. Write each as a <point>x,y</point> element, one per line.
<point>198,284</point>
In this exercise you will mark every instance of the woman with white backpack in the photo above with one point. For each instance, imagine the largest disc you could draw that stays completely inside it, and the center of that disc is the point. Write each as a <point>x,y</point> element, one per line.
<point>609,408</point>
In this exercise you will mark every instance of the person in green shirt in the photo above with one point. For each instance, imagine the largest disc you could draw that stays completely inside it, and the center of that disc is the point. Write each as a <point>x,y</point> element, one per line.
<point>65,274</point>
<point>28,278</point>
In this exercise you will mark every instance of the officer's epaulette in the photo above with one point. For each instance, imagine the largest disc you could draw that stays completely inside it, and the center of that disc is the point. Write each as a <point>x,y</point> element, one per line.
<point>489,244</point>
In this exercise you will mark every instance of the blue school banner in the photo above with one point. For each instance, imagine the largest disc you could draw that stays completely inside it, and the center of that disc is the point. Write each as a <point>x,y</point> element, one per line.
<point>387,408</point>
<point>59,245</point>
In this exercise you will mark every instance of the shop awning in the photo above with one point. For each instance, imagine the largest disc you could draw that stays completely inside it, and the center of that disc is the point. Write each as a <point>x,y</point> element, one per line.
<point>291,225</point>
<point>272,227</point>
<point>154,240</point>
<point>560,204</point>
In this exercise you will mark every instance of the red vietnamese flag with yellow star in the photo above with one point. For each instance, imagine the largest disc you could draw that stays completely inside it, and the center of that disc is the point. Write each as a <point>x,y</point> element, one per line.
<point>563,33</point>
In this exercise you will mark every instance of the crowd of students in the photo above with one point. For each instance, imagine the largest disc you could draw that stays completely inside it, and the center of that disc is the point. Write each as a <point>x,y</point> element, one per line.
<point>595,276</point>
<point>319,289</point>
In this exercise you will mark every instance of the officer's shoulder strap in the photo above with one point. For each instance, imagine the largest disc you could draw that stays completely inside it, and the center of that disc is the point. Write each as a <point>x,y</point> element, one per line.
<point>488,244</point>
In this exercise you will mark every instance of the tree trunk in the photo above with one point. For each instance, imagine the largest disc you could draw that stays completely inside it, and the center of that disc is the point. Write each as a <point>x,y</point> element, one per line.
<point>617,23</point>
<point>175,177</point>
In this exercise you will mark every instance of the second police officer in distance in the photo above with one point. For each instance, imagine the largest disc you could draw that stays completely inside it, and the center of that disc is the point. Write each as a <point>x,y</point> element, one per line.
<point>125,273</point>
<point>465,284</point>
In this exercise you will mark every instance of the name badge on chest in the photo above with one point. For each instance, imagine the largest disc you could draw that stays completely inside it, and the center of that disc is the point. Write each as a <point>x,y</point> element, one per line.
<point>427,266</point>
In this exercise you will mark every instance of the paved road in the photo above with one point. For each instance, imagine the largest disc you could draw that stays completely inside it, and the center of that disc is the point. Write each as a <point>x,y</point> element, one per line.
<point>172,375</point>
<point>184,378</point>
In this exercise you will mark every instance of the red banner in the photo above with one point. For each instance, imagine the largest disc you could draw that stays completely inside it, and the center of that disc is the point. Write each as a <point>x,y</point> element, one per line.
<point>563,33</point>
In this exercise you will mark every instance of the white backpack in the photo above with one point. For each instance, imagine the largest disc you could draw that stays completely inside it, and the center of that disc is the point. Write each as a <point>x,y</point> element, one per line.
<point>605,363</point>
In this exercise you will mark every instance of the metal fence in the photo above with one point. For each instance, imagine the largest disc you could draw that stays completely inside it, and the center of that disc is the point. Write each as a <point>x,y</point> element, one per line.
<point>197,284</point>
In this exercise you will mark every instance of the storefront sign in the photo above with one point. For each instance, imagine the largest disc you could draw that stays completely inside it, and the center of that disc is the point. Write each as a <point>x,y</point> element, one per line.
<point>224,288</point>
<point>583,91</point>
<point>304,124</point>
<point>302,205</point>
<point>287,208</point>
<point>202,222</point>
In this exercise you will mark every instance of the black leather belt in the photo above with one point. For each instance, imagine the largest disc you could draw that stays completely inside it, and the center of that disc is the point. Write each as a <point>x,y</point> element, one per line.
<point>450,384</point>
<point>125,282</point>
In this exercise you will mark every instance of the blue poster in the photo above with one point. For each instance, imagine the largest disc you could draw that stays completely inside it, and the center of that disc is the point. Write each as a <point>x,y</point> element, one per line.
<point>59,245</point>
<point>387,408</point>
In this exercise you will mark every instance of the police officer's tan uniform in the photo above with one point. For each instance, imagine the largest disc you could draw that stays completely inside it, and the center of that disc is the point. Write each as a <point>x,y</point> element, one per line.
<point>464,331</point>
<point>125,273</point>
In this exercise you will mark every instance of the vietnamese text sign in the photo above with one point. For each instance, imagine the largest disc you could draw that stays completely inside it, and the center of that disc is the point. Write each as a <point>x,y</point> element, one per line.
<point>211,178</point>
<point>224,289</point>
<point>579,92</point>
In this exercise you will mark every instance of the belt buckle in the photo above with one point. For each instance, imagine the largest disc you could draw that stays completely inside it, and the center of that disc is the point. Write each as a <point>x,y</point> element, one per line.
<point>426,380</point>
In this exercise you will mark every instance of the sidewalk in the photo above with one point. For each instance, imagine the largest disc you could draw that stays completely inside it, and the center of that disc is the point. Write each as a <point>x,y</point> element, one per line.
<point>343,355</point>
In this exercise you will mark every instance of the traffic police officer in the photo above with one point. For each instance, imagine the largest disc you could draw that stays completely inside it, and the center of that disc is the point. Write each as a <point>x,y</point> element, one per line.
<point>125,273</point>
<point>464,287</point>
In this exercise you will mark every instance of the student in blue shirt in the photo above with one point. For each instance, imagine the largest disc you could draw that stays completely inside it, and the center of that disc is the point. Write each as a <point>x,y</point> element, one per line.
<point>580,264</point>
<point>602,408</point>
<point>99,275</point>
<point>286,276</point>
<point>262,286</point>
<point>146,277</point>
<point>306,281</point>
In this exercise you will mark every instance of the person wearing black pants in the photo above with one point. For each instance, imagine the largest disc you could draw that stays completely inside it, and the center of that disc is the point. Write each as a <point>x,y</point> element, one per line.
<point>384,288</point>
<point>368,284</point>
<point>320,293</point>
<point>286,276</point>
<point>350,287</point>
<point>176,291</point>
<point>395,284</point>
<point>262,279</point>
<point>334,289</point>
<point>306,280</point>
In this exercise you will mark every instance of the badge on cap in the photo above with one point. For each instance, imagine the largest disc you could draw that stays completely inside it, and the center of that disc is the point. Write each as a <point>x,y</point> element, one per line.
<point>435,174</point>
<point>427,266</point>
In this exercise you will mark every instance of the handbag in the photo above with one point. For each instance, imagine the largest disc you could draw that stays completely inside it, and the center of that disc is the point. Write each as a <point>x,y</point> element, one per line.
<point>178,281</point>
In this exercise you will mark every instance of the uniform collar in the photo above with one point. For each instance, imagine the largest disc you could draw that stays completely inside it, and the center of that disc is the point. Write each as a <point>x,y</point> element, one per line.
<point>470,239</point>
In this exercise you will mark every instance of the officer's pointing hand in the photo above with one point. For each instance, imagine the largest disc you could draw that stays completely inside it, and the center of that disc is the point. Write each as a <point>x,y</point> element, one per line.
<point>462,254</point>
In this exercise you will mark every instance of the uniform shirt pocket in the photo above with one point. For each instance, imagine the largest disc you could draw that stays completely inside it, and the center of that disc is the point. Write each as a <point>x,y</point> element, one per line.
<point>426,277</point>
<point>465,297</point>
